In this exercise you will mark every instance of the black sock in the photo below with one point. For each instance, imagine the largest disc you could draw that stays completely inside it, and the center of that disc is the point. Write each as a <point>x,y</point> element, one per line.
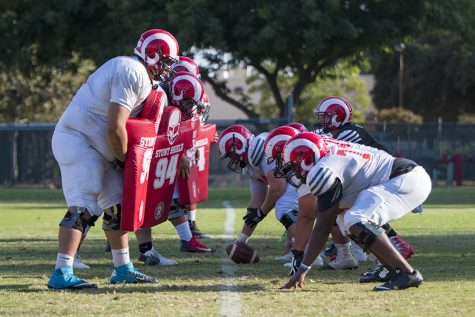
<point>146,246</point>
<point>389,230</point>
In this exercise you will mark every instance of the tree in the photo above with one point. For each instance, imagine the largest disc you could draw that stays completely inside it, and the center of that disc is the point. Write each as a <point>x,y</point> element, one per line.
<point>438,72</point>
<point>302,38</point>
<point>341,80</point>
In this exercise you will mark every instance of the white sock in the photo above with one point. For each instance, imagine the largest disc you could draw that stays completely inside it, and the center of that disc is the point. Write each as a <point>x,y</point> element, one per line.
<point>192,215</point>
<point>121,257</point>
<point>63,260</point>
<point>184,232</point>
<point>343,249</point>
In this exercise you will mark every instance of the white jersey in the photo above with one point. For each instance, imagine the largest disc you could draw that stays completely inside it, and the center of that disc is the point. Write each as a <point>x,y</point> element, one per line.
<point>356,166</point>
<point>122,80</point>
<point>257,177</point>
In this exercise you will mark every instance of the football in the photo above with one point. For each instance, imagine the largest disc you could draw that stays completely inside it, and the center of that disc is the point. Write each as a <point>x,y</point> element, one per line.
<point>240,252</point>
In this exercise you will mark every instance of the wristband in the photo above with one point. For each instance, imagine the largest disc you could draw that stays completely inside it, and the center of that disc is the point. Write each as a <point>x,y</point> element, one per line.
<point>305,267</point>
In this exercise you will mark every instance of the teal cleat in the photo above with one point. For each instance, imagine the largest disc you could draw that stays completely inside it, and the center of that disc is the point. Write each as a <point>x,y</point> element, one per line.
<point>63,278</point>
<point>128,274</point>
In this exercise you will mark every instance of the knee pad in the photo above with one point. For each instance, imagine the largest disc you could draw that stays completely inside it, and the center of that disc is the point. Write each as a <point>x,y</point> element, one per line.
<point>176,210</point>
<point>111,218</point>
<point>367,235</point>
<point>80,220</point>
<point>289,218</point>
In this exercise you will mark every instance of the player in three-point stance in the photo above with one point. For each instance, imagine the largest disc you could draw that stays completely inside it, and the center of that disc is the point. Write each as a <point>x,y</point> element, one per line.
<point>335,119</point>
<point>245,154</point>
<point>360,188</point>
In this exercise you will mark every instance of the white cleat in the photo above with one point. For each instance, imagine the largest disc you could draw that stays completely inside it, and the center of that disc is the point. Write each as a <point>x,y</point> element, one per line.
<point>317,263</point>
<point>78,264</point>
<point>342,262</point>
<point>285,257</point>
<point>166,262</point>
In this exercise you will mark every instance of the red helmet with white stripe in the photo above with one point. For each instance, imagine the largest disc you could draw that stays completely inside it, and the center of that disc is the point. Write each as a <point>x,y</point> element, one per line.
<point>233,143</point>
<point>301,153</point>
<point>186,64</point>
<point>274,145</point>
<point>158,49</point>
<point>186,93</point>
<point>298,126</point>
<point>332,113</point>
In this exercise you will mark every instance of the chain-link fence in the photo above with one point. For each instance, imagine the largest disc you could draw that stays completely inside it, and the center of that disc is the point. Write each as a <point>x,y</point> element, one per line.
<point>447,151</point>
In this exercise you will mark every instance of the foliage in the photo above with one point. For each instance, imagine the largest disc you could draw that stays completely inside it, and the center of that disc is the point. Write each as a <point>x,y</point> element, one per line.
<point>42,93</point>
<point>466,118</point>
<point>438,77</point>
<point>398,115</point>
<point>341,80</point>
<point>301,38</point>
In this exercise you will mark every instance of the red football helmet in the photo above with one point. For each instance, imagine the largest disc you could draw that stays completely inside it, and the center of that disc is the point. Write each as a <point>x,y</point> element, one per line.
<point>186,64</point>
<point>301,153</point>
<point>186,93</point>
<point>298,126</point>
<point>274,146</point>
<point>233,143</point>
<point>332,113</point>
<point>158,49</point>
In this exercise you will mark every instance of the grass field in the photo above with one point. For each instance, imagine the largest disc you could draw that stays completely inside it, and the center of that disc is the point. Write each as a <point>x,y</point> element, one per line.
<point>444,237</point>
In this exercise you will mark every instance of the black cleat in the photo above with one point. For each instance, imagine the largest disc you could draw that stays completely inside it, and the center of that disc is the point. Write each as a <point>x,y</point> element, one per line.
<point>401,280</point>
<point>195,231</point>
<point>378,274</point>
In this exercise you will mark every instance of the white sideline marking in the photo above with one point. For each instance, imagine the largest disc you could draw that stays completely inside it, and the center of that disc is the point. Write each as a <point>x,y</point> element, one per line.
<point>230,301</point>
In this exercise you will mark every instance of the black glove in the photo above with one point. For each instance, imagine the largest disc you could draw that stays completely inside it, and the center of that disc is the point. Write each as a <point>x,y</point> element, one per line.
<point>253,217</point>
<point>118,165</point>
<point>297,257</point>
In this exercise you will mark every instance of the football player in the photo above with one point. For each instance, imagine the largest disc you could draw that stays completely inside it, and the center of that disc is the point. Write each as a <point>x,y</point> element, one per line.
<point>360,188</point>
<point>245,154</point>
<point>335,119</point>
<point>90,145</point>
<point>186,92</point>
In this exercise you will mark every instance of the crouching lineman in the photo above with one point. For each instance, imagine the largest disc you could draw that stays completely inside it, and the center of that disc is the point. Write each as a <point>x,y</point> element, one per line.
<point>245,155</point>
<point>90,140</point>
<point>335,119</point>
<point>374,187</point>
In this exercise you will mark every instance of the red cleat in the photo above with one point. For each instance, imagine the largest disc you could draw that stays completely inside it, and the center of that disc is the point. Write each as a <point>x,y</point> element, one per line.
<point>195,246</point>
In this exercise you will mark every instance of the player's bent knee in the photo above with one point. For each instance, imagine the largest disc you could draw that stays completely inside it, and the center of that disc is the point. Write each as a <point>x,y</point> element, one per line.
<point>111,218</point>
<point>289,218</point>
<point>78,218</point>
<point>176,212</point>
<point>365,233</point>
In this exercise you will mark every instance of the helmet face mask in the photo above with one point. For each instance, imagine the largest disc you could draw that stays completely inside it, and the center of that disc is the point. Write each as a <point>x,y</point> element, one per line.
<point>233,145</point>
<point>301,153</point>
<point>158,49</point>
<point>323,123</point>
<point>186,93</point>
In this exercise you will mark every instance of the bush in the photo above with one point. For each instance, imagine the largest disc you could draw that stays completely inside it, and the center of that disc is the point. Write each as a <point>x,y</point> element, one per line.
<point>398,115</point>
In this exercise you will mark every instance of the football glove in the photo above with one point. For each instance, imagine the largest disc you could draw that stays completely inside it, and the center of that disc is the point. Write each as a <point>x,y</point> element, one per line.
<point>253,217</point>
<point>297,257</point>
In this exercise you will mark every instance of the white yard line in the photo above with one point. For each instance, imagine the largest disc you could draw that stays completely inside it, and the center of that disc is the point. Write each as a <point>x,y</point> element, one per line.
<point>230,301</point>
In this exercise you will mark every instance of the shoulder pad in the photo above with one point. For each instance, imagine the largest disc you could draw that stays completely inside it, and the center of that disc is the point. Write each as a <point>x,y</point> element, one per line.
<point>256,149</point>
<point>320,179</point>
<point>350,135</point>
